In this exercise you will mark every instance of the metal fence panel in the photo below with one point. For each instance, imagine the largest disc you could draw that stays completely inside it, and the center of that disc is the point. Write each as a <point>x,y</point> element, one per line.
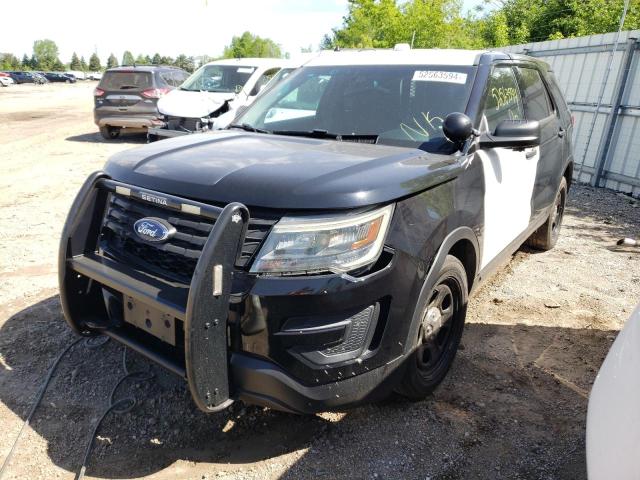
<point>580,65</point>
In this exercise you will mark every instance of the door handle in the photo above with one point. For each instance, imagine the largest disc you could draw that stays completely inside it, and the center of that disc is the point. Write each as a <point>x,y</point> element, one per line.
<point>561,132</point>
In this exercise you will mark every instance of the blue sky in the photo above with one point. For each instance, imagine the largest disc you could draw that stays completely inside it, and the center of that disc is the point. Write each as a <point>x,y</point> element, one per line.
<point>168,27</point>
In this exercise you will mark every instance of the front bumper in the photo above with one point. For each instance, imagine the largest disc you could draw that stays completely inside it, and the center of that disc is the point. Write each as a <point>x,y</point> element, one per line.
<point>245,337</point>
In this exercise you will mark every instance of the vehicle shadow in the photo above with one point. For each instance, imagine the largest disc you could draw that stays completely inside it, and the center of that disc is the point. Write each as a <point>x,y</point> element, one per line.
<point>95,137</point>
<point>513,406</point>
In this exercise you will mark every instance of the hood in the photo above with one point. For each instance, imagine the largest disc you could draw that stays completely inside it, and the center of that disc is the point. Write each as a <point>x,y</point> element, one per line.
<point>272,171</point>
<point>180,103</point>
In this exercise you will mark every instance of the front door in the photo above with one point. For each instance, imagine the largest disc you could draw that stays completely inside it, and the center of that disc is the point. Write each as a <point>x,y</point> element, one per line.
<point>509,175</point>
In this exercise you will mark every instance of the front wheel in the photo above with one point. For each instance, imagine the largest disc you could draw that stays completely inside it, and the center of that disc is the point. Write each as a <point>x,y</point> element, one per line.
<point>110,133</point>
<point>439,334</point>
<point>546,237</point>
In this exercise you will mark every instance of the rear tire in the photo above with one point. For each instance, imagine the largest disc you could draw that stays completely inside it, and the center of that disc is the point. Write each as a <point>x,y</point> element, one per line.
<point>429,363</point>
<point>546,237</point>
<point>110,133</point>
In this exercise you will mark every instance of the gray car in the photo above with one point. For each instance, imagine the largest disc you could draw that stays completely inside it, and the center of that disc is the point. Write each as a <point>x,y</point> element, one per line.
<point>127,97</point>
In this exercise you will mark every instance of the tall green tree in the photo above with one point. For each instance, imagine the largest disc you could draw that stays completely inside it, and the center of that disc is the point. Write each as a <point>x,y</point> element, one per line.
<point>75,62</point>
<point>26,63</point>
<point>112,61</point>
<point>184,62</point>
<point>94,63</point>
<point>127,58</point>
<point>157,59</point>
<point>538,20</point>
<point>141,60</point>
<point>9,61</point>
<point>46,53</point>
<point>249,45</point>
<point>83,64</point>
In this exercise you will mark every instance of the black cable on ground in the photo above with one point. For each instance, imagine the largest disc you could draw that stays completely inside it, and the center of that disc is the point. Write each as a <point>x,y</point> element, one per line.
<point>120,406</point>
<point>91,343</point>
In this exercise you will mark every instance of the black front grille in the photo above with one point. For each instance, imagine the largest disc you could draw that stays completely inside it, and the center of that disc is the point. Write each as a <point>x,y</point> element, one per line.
<point>183,124</point>
<point>176,258</point>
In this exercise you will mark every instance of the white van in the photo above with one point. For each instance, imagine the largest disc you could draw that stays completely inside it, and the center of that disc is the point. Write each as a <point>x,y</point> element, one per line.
<point>210,97</point>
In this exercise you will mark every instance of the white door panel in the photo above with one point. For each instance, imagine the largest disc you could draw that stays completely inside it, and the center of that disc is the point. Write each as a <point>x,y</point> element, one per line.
<point>509,181</point>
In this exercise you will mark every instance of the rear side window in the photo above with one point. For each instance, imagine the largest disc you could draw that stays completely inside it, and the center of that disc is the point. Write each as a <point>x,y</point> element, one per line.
<point>126,81</point>
<point>537,104</point>
<point>180,77</point>
<point>503,101</point>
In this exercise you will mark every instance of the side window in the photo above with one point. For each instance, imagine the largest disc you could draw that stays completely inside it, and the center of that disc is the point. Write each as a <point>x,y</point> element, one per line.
<point>263,80</point>
<point>537,104</point>
<point>503,100</point>
<point>179,77</point>
<point>167,78</point>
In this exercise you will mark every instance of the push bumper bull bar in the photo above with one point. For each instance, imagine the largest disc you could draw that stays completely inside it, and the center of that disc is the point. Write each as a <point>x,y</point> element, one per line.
<point>203,307</point>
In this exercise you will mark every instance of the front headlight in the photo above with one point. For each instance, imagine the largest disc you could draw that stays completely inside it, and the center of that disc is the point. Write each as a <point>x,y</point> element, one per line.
<point>337,244</point>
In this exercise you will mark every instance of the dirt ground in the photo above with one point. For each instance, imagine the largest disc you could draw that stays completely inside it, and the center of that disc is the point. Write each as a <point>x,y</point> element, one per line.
<point>513,406</point>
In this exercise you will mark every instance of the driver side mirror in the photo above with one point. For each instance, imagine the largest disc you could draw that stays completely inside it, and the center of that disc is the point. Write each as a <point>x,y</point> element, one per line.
<point>457,127</point>
<point>518,134</point>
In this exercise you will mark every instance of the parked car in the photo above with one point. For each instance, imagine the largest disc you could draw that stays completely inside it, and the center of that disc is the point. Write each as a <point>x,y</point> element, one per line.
<point>613,418</point>
<point>95,75</point>
<point>39,78</point>
<point>127,97</point>
<point>324,258</point>
<point>210,97</point>
<point>5,79</point>
<point>77,74</point>
<point>59,77</point>
<point>22,77</point>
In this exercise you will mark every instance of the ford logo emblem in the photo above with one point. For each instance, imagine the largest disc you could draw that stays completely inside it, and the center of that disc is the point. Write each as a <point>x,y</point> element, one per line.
<point>153,229</point>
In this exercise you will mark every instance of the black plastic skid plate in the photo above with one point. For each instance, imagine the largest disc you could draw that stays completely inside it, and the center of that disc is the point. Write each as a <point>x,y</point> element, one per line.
<point>207,310</point>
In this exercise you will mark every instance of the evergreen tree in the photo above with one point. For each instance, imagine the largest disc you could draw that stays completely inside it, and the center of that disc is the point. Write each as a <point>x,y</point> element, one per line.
<point>26,63</point>
<point>75,62</point>
<point>141,60</point>
<point>83,64</point>
<point>94,63</point>
<point>157,59</point>
<point>127,58</point>
<point>112,61</point>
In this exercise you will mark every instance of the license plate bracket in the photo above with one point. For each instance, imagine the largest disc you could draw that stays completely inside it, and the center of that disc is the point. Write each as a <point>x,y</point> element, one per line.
<point>159,324</point>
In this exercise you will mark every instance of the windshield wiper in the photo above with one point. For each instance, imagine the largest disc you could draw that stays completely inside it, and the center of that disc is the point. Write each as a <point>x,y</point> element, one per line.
<point>319,133</point>
<point>248,128</point>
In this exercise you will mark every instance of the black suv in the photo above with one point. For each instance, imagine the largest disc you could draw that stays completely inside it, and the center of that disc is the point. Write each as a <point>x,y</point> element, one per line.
<point>321,251</point>
<point>22,77</point>
<point>59,77</point>
<point>127,97</point>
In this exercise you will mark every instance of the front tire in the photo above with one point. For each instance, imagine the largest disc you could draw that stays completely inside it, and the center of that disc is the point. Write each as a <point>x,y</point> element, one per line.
<point>110,133</point>
<point>436,347</point>
<point>546,237</point>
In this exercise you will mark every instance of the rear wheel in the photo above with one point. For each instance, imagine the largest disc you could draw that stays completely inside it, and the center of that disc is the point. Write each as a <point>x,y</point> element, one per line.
<point>546,237</point>
<point>439,333</point>
<point>110,133</point>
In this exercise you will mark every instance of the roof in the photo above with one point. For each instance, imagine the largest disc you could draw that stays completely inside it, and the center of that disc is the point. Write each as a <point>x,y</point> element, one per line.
<point>397,57</point>
<point>251,62</point>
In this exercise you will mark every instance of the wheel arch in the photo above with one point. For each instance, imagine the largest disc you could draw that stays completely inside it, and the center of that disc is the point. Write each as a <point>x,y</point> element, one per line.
<point>568,175</point>
<point>461,241</point>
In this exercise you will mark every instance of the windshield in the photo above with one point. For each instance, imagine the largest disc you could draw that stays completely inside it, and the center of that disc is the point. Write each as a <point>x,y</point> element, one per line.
<point>399,105</point>
<point>218,78</point>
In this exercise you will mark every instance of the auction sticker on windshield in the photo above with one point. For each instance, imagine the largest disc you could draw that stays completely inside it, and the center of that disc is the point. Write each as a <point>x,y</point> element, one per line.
<point>439,76</point>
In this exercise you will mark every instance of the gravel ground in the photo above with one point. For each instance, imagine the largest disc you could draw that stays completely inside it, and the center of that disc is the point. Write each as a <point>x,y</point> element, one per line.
<point>513,406</point>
